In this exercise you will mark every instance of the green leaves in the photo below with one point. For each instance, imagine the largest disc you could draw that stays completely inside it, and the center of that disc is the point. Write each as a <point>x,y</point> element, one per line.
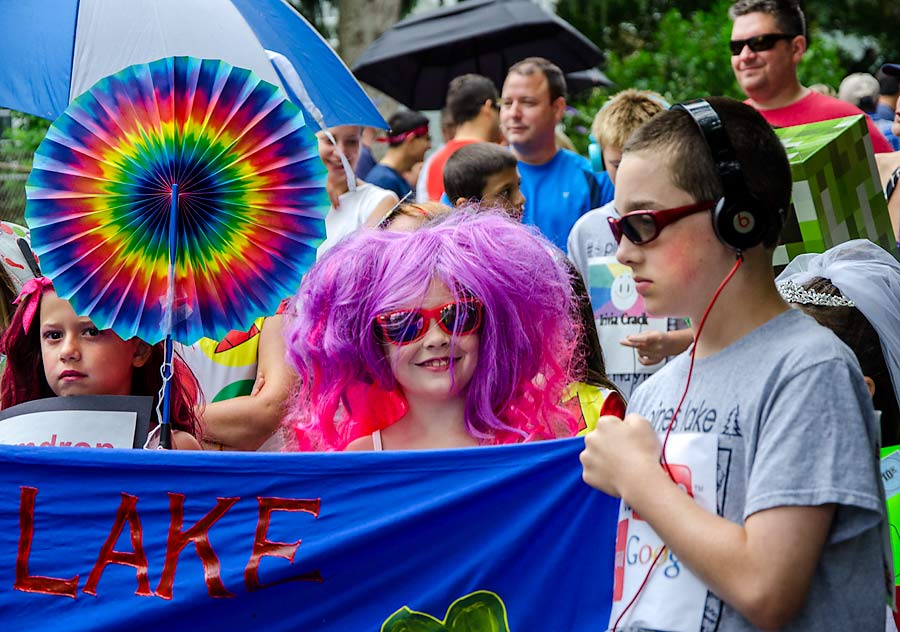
<point>17,146</point>
<point>686,56</point>
<point>480,611</point>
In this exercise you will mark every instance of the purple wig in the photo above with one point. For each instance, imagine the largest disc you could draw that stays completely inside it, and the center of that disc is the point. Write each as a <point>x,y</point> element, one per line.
<point>527,338</point>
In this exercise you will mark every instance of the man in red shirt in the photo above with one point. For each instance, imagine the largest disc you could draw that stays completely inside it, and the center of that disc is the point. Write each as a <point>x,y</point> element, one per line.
<point>474,105</point>
<point>768,40</point>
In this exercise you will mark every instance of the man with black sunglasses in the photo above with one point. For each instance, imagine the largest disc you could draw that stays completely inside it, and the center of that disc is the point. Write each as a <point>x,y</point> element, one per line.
<point>768,40</point>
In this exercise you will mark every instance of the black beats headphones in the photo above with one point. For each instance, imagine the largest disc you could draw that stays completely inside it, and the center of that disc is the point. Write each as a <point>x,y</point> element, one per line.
<point>740,220</point>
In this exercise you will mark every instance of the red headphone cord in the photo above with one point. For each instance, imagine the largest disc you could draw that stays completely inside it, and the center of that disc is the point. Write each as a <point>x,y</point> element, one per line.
<point>662,455</point>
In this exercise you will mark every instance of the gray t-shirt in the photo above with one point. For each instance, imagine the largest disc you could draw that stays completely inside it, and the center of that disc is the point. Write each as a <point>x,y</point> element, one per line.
<point>795,426</point>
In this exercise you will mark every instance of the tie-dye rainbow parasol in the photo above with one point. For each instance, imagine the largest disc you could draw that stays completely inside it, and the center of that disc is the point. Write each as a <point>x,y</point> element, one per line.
<point>203,147</point>
<point>177,199</point>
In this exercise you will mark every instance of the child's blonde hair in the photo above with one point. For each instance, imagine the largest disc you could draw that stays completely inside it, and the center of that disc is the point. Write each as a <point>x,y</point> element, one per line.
<point>623,114</point>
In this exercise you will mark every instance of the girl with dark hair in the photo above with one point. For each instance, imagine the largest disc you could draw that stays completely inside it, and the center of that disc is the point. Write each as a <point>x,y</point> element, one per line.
<point>461,333</point>
<point>854,290</point>
<point>50,351</point>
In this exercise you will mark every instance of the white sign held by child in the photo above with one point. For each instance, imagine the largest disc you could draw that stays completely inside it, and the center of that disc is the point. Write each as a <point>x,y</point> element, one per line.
<point>89,421</point>
<point>673,598</point>
<point>619,312</point>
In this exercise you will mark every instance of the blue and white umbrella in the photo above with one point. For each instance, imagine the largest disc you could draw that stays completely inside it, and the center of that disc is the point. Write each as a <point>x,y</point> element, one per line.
<point>54,50</point>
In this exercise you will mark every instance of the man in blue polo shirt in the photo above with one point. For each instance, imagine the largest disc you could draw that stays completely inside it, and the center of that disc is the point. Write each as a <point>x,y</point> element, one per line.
<point>559,186</point>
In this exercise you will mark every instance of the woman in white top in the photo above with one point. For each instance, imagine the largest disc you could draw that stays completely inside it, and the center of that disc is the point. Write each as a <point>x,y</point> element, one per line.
<point>352,201</point>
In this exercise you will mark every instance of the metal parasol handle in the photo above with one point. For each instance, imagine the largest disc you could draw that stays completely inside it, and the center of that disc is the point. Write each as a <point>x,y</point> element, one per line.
<point>165,428</point>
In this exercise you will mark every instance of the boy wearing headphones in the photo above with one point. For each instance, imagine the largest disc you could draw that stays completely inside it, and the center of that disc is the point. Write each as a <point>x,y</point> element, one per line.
<point>767,511</point>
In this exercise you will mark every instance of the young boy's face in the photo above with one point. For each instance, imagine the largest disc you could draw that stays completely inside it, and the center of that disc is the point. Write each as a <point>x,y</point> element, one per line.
<point>677,272</point>
<point>502,189</point>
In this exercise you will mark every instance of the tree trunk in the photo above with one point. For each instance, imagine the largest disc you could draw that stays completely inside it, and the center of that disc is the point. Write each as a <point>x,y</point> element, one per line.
<point>361,22</point>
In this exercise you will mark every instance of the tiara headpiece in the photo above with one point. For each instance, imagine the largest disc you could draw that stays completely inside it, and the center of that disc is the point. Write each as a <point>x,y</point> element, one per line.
<point>793,293</point>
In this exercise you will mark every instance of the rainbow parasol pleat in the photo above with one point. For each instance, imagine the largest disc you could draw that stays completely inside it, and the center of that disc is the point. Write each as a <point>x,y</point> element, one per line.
<point>251,199</point>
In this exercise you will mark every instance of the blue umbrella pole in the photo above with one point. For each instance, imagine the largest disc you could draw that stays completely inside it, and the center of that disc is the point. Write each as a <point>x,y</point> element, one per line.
<point>165,428</point>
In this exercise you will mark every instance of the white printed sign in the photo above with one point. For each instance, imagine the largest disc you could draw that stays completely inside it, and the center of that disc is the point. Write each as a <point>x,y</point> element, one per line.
<point>673,598</point>
<point>81,422</point>
<point>619,312</point>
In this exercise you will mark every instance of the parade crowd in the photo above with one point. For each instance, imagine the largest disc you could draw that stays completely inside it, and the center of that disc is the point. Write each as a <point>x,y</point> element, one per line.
<point>506,289</point>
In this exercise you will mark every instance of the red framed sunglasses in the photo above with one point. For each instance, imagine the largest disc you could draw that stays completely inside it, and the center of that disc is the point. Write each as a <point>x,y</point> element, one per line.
<point>404,326</point>
<point>642,227</point>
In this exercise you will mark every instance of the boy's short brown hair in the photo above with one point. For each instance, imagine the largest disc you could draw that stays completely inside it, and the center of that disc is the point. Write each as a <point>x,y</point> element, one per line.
<point>675,140</point>
<point>466,95</point>
<point>622,114</point>
<point>469,167</point>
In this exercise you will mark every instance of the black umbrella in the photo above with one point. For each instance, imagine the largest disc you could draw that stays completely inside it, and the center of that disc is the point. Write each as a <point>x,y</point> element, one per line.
<point>587,79</point>
<point>416,59</point>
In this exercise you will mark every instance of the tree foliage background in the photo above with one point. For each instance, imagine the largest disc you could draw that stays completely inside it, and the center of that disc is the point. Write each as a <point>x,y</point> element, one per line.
<point>877,20</point>
<point>17,146</point>
<point>677,49</point>
<point>681,53</point>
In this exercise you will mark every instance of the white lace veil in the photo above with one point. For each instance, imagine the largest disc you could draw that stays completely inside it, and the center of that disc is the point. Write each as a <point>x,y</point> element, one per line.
<point>870,277</point>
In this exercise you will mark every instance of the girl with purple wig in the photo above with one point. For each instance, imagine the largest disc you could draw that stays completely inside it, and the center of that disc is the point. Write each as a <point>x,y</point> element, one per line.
<point>461,333</point>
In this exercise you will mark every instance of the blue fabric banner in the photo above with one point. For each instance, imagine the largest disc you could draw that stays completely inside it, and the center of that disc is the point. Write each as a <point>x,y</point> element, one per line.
<point>494,539</point>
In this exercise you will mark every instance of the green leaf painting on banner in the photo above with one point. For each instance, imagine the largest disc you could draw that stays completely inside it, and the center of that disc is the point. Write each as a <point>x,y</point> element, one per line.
<point>480,611</point>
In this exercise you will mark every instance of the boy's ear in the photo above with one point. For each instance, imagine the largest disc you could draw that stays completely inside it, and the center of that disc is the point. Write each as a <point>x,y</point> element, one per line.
<point>870,384</point>
<point>460,201</point>
<point>141,353</point>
